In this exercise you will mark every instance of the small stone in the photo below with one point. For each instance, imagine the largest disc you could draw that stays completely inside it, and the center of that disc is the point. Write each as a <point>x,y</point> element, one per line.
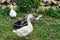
<point>19,18</point>
<point>42,4</point>
<point>7,18</point>
<point>26,38</point>
<point>35,36</point>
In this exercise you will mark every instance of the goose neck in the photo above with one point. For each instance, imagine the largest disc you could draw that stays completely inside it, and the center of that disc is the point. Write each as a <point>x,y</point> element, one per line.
<point>28,21</point>
<point>11,6</point>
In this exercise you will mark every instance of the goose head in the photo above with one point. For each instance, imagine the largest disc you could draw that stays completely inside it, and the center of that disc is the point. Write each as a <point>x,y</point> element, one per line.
<point>30,16</point>
<point>37,17</point>
<point>34,17</point>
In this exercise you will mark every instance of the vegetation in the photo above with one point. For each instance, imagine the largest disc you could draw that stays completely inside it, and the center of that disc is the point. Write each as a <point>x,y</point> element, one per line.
<point>46,28</point>
<point>27,5</point>
<point>4,11</point>
<point>53,12</point>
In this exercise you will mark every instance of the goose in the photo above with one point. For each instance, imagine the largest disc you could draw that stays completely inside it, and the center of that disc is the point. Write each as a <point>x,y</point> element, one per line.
<point>12,12</point>
<point>25,30</point>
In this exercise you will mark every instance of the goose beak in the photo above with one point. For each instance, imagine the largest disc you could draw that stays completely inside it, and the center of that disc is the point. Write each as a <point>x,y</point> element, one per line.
<point>37,18</point>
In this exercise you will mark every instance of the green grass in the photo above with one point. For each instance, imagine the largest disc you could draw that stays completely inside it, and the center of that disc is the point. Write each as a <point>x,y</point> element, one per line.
<point>46,28</point>
<point>55,13</point>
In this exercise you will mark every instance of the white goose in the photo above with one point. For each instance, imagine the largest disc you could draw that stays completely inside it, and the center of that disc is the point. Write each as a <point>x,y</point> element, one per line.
<point>12,12</point>
<point>24,31</point>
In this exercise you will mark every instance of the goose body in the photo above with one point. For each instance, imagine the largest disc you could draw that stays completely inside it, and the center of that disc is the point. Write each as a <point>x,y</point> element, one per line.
<point>12,12</point>
<point>25,30</point>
